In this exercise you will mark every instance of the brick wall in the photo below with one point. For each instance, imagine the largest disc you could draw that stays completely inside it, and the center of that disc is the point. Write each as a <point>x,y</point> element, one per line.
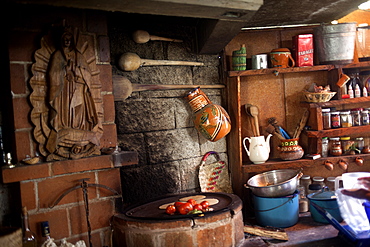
<point>41,184</point>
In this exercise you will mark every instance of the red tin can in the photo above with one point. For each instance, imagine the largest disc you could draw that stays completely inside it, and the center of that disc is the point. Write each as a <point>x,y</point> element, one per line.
<point>303,50</point>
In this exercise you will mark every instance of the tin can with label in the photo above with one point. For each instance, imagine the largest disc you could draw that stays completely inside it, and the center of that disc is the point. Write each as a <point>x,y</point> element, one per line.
<point>303,50</point>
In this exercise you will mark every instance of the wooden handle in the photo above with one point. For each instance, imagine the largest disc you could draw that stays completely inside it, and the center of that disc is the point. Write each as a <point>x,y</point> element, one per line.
<point>154,37</point>
<point>301,124</point>
<point>149,62</point>
<point>257,126</point>
<point>141,37</point>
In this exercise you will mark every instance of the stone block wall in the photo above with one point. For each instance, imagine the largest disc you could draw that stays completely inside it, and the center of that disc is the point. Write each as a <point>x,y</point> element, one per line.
<point>158,124</point>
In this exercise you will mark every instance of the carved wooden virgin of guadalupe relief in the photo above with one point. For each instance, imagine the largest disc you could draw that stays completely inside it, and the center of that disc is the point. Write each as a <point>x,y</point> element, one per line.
<point>66,98</point>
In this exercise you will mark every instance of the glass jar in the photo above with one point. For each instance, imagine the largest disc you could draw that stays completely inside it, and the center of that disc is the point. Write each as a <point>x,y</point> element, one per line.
<point>345,119</point>
<point>360,143</point>
<point>318,180</point>
<point>330,183</point>
<point>365,120</point>
<point>356,117</point>
<point>303,201</point>
<point>314,188</point>
<point>335,119</point>
<point>346,144</point>
<point>326,118</point>
<point>324,147</point>
<point>335,147</point>
<point>305,181</point>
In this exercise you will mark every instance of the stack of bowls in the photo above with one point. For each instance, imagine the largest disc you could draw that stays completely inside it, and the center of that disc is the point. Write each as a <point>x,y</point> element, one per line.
<point>275,197</point>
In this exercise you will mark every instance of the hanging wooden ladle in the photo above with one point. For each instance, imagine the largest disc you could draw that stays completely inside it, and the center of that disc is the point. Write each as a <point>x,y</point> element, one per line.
<point>130,61</point>
<point>141,37</point>
<point>123,88</point>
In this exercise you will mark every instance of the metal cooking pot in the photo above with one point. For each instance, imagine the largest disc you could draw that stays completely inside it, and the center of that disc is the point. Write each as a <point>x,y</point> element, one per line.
<point>274,183</point>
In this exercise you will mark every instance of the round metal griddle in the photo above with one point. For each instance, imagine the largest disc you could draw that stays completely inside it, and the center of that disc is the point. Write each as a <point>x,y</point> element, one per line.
<point>150,210</point>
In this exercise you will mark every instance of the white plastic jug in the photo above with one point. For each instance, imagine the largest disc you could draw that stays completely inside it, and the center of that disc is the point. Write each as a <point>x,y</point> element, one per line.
<point>349,179</point>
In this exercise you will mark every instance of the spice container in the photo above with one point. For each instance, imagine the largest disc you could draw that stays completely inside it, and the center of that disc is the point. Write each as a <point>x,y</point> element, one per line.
<point>305,181</point>
<point>324,147</point>
<point>303,201</point>
<point>356,117</point>
<point>318,180</point>
<point>335,119</point>
<point>314,188</point>
<point>346,143</point>
<point>365,117</point>
<point>335,147</point>
<point>330,183</point>
<point>326,118</point>
<point>345,119</point>
<point>360,143</point>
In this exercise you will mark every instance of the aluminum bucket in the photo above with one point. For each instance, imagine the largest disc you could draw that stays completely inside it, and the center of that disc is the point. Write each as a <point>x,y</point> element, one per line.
<point>335,44</point>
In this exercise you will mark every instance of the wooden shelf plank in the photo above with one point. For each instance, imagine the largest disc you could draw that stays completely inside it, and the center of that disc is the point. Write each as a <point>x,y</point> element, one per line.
<point>339,102</point>
<point>339,131</point>
<point>297,164</point>
<point>279,71</point>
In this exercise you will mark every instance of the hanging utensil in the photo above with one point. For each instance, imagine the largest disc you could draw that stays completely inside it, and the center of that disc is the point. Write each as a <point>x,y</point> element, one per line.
<point>141,37</point>
<point>123,88</point>
<point>301,124</point>
<point>130,61</point>
<point>250,119</point>
<point>254,112</point>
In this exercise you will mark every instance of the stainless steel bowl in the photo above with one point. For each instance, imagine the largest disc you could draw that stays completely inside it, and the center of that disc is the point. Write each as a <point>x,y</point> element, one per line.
<point>276,183</point>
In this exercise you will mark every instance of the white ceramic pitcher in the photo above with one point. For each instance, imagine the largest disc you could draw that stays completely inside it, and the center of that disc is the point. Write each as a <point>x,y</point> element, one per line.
<point>259,148</point>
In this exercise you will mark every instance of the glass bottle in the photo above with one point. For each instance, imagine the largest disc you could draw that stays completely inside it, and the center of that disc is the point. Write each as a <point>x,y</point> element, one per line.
<point>211,120</point>
<point>354,82</point>
<point>314,188</point>
<point>346,119</point>
<point>324,147</point>
<point>29,239</point>
<point>45,232</point>
<point>326,118</point>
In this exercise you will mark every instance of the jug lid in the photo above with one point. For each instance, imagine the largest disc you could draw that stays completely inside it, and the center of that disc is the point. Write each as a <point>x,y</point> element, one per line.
<point>324,194</point>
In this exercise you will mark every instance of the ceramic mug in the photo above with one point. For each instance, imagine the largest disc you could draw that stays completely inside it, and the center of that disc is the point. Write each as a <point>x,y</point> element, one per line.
<point>349,179</point>
<point>259,61</point>
<point>281,58</point>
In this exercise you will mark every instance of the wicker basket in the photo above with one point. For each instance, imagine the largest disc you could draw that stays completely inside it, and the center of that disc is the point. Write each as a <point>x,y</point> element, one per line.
<point>214,177</point>
<point>318,97</point>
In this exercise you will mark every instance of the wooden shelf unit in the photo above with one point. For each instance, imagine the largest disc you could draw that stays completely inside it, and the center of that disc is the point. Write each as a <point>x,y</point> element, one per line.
<point>238,84</point>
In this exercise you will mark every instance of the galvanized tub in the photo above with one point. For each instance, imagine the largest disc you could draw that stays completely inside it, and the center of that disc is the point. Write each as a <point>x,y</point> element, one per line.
<point>335,43</point>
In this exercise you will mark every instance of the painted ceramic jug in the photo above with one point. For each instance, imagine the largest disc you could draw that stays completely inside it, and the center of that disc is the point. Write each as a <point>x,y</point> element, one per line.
<point>259,148</point>
<point>290,149</point>
<point>211,120</point>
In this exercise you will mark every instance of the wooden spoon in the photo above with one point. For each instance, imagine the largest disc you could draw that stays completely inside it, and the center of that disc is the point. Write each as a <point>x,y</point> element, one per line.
<point>250,119</point>
<point>254,112</point>
<point>141,37</point>
<point>130,61</point>
<point>123,88</point>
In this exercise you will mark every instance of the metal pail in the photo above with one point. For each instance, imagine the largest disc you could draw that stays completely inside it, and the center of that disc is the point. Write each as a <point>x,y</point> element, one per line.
<point>335,43</point>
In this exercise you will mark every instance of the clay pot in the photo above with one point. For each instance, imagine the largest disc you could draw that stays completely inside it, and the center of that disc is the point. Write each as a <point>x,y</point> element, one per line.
<point>211,120</point>
<point>343,165</point>
<point>359,161</point>
<point>329,165</point>
<point>290,150</point>
<point>366,150</point>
